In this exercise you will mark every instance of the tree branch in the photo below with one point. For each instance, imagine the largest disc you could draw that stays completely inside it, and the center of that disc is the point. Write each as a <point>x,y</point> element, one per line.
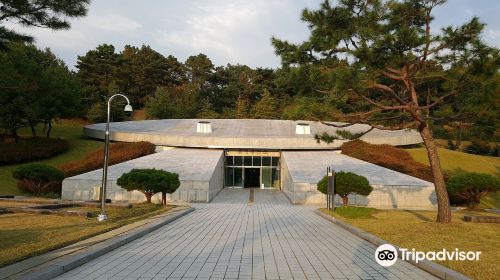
<point>437,101</point>
<point>389,90</point>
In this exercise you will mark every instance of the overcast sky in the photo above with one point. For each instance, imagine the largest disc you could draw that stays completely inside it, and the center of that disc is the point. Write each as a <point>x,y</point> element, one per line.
<point>228,31</point>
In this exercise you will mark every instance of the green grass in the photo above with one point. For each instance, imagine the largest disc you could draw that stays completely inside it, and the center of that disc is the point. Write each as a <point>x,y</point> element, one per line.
<point>491,200</point>
<point>351,212</point>
<point>418,229</point>
<point>453,161</point>
<point>79,147</point>
<point>24,235</point>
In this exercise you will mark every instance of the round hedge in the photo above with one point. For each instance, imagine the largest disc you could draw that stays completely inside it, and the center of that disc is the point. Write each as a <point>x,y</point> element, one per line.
<point>38,178</point>
<point>345,184</point>
<point>149,181</point>
<point>38,172</point>
<point>472,186</point>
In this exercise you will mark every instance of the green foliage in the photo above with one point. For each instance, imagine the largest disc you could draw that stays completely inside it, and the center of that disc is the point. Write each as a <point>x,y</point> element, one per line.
<point>53,14</point>
<point>36,87</point>
<point>345,184</point>
<point>325,137</point>
<point>346,134</point>
<point>37,178</point>
<point>482,148</point>
<point>149,181</point>
<point>31,149</point>
<point>173,103</point>
<point>199,68</point>
<point>307,108</point>
<point>266,107</point>
<point>97,70</point>
<point>143,70</point>
<point>472,186</point>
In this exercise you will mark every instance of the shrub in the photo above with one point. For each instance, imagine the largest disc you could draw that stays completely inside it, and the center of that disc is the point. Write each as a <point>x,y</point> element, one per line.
<point>150,182</point>
<point>118,152</point>
<point>482,148</point>
<point>97,113</point>
<point>388,156</point>
<point>31,149</point>
<point>38,178</point>
<point>472,186</point>
<point>345,184</point>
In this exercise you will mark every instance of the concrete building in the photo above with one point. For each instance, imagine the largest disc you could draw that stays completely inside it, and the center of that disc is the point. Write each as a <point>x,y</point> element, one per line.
<point>210,155</point>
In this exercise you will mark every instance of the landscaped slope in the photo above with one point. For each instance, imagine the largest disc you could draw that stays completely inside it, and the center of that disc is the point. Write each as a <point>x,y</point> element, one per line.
<point>453,161</point>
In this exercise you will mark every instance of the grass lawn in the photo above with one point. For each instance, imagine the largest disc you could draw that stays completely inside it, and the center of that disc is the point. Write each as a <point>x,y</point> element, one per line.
<point>79,146</point>
<point>417,229</point>
<point>25,235</point>
<point>453,161</point>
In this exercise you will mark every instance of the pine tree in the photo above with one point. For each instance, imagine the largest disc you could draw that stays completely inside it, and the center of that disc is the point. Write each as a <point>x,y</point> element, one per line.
<point>266,107</point>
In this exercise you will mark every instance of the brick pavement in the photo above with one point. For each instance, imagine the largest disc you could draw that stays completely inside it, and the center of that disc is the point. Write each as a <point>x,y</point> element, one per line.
<point>230,239</point>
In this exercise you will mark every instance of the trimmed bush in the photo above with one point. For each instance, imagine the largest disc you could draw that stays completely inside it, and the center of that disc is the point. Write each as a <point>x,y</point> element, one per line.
<point>118,152</point>
<point>345,184</point>
<point>31,149</point>
<point>482,148</point>
<point>150,182</point>
<point>388,156</point>
<point>38,178</point>
<point>471,187</point>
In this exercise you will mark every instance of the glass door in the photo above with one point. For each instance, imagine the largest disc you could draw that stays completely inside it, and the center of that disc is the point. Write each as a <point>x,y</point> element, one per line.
<point>265,179</point>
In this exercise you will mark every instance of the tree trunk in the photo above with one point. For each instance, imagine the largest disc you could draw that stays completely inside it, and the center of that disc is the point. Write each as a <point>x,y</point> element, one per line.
<point>148,197</point>
<point>444,213</point>
<point>33,130</point>
<point>14,134</point>
<point>49,129</point>
<point>459,139</point>
<point>345,200</point>
<point>163,198</point>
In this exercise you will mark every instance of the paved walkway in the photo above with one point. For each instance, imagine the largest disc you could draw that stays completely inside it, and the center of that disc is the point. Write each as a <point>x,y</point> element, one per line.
<point>269,239</point>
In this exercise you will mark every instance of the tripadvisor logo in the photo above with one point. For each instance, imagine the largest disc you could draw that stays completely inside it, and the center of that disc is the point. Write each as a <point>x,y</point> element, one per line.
<point>387,255</point>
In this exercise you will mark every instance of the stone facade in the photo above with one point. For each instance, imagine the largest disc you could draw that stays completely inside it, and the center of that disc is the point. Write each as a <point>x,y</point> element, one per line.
<point>242,134</point>
<point>200,173</point>
<point>302,170</point>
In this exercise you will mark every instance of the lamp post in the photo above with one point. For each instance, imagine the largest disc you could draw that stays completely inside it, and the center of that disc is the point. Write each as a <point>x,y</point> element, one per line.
<point>128,111</point>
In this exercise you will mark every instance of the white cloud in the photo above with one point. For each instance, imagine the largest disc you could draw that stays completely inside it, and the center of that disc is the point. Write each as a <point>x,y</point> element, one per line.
<point>113,23</point>
<point>214,29</point>
<point>493,34</point>
<point>227,31</point>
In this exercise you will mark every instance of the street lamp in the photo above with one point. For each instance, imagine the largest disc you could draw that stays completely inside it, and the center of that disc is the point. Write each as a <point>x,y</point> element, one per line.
<point>128,112</point>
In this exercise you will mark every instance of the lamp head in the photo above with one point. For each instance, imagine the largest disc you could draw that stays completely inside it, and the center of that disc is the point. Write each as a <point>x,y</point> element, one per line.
<point>128,110</point>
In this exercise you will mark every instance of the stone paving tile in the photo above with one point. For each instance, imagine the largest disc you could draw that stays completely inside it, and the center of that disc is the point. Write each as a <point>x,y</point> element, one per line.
<point>230,239</point>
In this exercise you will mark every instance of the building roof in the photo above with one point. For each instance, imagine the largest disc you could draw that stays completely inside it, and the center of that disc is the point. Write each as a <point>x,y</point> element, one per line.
<point>241,133</point>
<point>310,167</point>
<point>190,164</point>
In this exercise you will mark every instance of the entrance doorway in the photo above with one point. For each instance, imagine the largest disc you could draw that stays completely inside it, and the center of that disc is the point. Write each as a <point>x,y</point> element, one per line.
<point>252,169</point>
<point>252,178</point>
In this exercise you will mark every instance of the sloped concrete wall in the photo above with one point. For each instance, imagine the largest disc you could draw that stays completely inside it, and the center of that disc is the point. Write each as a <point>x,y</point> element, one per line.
<point>217,180</point>
<point>200,173</point>
<point>302,170</point>
<point>299,192</point>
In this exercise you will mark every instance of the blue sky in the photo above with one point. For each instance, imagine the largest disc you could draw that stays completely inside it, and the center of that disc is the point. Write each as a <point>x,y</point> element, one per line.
<point>228,31</point>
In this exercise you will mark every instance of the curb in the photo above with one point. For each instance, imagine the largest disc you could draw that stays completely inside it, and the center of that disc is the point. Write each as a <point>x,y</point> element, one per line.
<point>62,264</point>
<point>433,268</point>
